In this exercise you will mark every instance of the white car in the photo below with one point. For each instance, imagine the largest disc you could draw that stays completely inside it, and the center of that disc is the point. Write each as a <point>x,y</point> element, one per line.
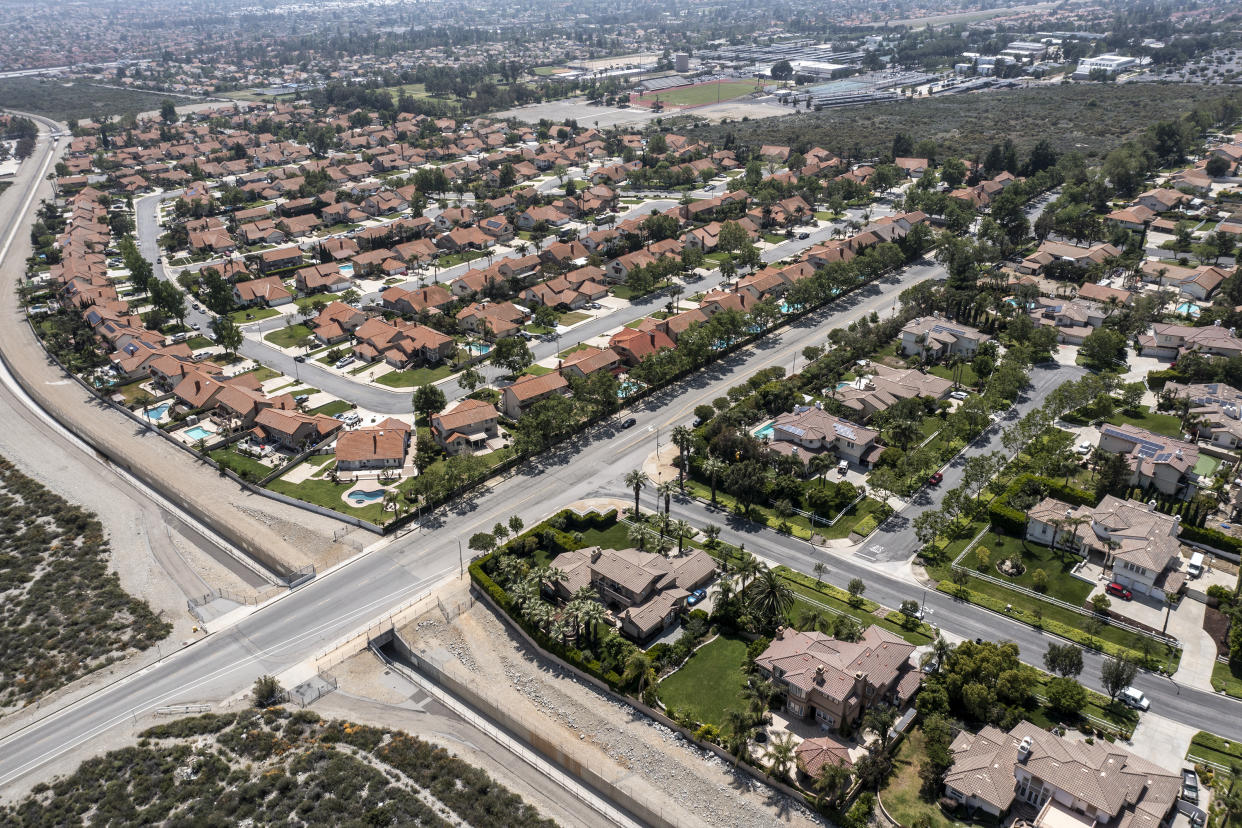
<point>1134,697</point>
<point>1084,448</point>
<point>958,395</point>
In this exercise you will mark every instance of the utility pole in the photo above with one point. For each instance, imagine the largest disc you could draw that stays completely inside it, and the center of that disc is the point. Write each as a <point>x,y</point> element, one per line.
<point>461,567</point>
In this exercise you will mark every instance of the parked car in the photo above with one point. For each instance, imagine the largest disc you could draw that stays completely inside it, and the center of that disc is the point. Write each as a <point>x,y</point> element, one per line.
<point>958,395</point>
<point>629,422</point>
<point>1134,697</point>
<point>935,479</point>
<point>708,188</point>
<point>1117,589</point>
<point>1190,786</point>
<point>1084,447</point>
<point>299,358</point>
<point>301,398</point>
<point>804,236</point>
<point>344,362</point>
<point>196,326</point>
<point>695,597</point>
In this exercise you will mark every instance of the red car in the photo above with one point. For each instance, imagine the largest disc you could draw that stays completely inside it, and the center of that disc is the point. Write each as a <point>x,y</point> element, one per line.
<point>935,479</point>
<point>1117,589</point>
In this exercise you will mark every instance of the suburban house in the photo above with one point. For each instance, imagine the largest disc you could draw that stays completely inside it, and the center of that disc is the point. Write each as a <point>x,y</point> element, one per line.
<point>381,447</point>
<point>1137,542</point>
<point>336,322</point>
<point>1159,461</point>
<point>1160,200</point>
<point>645,590</point>
<point>589,359</point>
<point>885,386</point>
<point>934,338</point>
<point>466,427</point>
<point>1052,251</point>
<point>401,343</point>
<point>293,430</point>
<point>528,390</point>
<point>279,259</point>
<point>320,277</point>
<point>430,299</point>
<point>492,320</point>
<point>1073,319</point>
<point>1070,783</point>
<point>1214,412</point>
<point>834,682</point>
<point>635,345</point>
<point>1170,341</point>
<point>268,291</point>
<point>808,431</point>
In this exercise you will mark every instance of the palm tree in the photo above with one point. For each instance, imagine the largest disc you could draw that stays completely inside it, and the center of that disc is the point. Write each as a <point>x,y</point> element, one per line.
<point>713,466</point>
<point>682,530</point>
<point>741,730</point>
<point>781,753</point>
<point>820,465</point>
<point>683,438</point>
<point>640,536</point>
<point>828,786</point>
<point>725,588</point>
<point>636,480</point>
<point>814,619</point>
<point>712,533</point>
<point>880,720</point>
<point>747,567</point>
<point>770,596</point>
<point>592,614</point>
<point>638,669</point>
<point>666,489</point>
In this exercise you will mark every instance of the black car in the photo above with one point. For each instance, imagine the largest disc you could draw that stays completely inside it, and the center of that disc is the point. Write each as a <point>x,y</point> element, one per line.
<point>629,422</point>
<point>299,358</point>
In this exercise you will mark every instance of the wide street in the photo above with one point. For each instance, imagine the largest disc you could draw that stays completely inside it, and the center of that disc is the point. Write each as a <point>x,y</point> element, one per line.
<point>305,621</point>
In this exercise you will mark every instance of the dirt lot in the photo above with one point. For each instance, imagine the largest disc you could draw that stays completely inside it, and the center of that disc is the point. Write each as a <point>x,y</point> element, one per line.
<point>649,761</point>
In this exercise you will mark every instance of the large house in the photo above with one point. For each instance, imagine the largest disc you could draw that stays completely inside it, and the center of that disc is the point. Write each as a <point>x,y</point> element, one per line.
<point>934,338</point>
<point>1171,341</point>
<point>466,427</point>
<point>645,590</point>
<point>1139,543</point>
<point>401,343</point>
<point>808,431</point>
<point>1071,784</point>
<point>1159,461</point>
<point>877,391</point>
<point>293,430</point>
<point>834,682</point>
<point>1215,409</point>
<point>528,390</point>
<point>267,291</point>
<point>381,447</point>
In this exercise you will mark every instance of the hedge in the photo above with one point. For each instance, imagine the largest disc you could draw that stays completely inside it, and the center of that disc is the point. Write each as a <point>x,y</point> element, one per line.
<point>1211,537</point>
<point>1010,521</point>
<point>551,645</point>
<point>865,526</point>
<point>1157,379</point>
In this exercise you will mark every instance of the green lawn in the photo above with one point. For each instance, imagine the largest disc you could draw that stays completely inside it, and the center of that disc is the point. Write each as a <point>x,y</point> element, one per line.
<point>1165,424</point>
<point>1057,566</point>
<point>333,408</point>
<point>464,256</point>
<point>415,376</point>
<point>710,683</point>
<point>579,347</point>
<point>965,374</point>
<point>574,317</point>
<point>1213,748</point>
<point>706,93</point>
<point>799,525</point>
<point>773,238</point>
<point>536,370</point>
<point>132,391</point>
<point>290,336</point>
<point>247,315</point>
<point>262,373</point>
<point>1228,678</point>
<point>240,463</point>
<point>199,341</point>
<point>616,536</point>
<point>328,494</point>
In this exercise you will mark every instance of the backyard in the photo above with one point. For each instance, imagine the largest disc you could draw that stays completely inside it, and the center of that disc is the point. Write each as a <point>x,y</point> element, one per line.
<point>328,494</point>
<point>901,795</point>
<point>710,683</point>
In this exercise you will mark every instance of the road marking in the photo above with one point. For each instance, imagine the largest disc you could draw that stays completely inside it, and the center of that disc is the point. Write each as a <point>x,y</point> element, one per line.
<point>133,712</point>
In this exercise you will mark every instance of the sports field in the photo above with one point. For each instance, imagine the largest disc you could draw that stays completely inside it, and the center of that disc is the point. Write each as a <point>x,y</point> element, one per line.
<point>704,93</point>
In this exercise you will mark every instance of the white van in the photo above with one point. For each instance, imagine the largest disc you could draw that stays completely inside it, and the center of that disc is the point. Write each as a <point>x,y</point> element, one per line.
<point>1195,567</point>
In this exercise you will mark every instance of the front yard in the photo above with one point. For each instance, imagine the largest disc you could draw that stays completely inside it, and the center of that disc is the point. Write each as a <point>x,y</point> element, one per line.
<point>1227,678</point>
<point>415,376</point>
<point>710,683</point>
<point>290,336</point>
<point>248,315</point>
<point>1055,565</point>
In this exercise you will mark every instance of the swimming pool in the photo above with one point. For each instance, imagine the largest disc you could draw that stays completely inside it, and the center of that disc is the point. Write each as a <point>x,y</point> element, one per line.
<point>156,413</point>
<point>347,270</point>
<point>479,348</point>
<point>765,432</point>
<point>197,433</point>
<point>1188,308</point>
<point>361,497</point>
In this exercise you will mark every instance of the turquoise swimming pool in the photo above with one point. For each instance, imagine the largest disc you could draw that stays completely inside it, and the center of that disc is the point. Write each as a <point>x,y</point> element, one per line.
<point>1188,308</point>
<point>156,413</point>
<point>765,432</point>
<point>197,433</point>
<point>347,270</point>
<point>361,497</point>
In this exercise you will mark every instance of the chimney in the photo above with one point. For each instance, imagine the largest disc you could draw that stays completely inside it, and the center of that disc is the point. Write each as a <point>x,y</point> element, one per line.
<point>595,554</point>
<point>1151,505</point>
<point>1024,750</point>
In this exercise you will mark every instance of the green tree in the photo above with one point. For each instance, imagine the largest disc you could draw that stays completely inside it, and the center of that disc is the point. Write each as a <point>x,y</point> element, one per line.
<point>228,335</point>
<point>636,480</point>
<point>1117,673</point>
<point>770,597</point>
<point>513,354</point>
<point>429,400</point>
<point>1066,696</point>
<point>856,588</point>
<point>1063,659</point>
<point>1101,348</point>
<point>168,111</point>
<point>266,692</point>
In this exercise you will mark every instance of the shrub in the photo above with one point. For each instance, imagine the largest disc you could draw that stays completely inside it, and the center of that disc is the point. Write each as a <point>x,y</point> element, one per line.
<point>1222,595</point>
<point>267,691</point>
<point>983,557</point>
<point>1039,580</point>
<point>1211,537</point>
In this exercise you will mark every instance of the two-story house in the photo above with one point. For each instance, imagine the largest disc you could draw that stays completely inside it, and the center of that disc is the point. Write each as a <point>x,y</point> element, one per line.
<point>1159,461</point>
<point>528,390</point>
<point>1071,784</point>
<point>834,682</point>
<point>466,427</point>
<point>934,338</point>
<point>1215,411</point>
<point>808,431</point>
